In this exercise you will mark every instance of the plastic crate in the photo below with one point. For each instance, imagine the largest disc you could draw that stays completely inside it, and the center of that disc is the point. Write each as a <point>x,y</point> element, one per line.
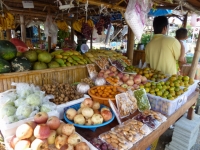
<point>192,88</point>
<point>165,106</point>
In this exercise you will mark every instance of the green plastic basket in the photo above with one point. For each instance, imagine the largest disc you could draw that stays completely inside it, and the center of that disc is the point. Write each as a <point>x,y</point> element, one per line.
<point>189,59</point>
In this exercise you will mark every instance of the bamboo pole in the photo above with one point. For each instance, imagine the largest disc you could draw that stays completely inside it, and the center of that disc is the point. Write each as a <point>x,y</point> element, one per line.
<point>23,28</point>
<point>8,34</point>
<point>49,43</point>
<point>193,71</point>
<point>99,3</point>
<point>72,31</point>
<point>130,47</point>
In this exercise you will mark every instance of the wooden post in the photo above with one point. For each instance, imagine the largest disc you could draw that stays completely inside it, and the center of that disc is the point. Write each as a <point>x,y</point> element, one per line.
<point>49,43</point>
<point>72,31</point>
<point>23,28</point>
<point>8,34</point>
<point>1,35</point>
<point>39,34</point>
<point>185,20</point>
<point>193,71</point>
<point>91,41</point>
<point>130,45</point>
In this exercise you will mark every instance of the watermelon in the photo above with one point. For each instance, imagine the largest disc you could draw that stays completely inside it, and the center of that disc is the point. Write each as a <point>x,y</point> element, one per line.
<point>5,66</point>
<point>8,50</point>
<point>21,64</point>
<point>20,45</point>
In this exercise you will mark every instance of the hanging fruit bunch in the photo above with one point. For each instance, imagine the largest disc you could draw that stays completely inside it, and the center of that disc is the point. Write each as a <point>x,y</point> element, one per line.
<point>62,25</point>
<point>7,21</point>
<point>84,27</point>
<point>103,23</point>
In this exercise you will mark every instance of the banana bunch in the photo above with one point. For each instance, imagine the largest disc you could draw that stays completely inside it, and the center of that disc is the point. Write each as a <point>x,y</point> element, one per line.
<point>62,25</point>
<point>77,25</point>
<point>7,21</point>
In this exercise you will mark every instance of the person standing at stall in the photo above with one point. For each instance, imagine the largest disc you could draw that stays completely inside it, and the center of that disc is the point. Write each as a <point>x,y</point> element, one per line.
<point>162,52</point>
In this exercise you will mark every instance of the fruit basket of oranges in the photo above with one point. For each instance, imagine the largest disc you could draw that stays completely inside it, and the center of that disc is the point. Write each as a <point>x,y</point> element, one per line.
<point>104,93</point>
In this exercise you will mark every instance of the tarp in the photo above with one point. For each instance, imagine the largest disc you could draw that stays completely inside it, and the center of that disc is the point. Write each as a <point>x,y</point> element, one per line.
<point>159,12</point>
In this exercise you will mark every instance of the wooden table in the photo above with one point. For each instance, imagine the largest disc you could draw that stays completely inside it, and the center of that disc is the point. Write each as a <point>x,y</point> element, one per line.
<point>148,140</point>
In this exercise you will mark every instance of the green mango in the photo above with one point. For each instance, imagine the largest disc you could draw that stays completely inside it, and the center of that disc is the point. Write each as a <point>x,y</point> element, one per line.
<point>68,64</point>
<point>60,61</point>
<point>75,58</point>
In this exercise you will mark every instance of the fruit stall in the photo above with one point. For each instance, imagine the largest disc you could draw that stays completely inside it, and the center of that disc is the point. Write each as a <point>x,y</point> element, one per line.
<point>96,100</point>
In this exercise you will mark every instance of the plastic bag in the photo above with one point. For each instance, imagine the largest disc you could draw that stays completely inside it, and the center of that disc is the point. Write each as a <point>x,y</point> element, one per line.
<point>7,96</point>
<point>47,107</point>
<point>22,89</point>
<point>24,111</point>
<point>10,119</point>
<point>193,20</point>
<point>136,14</point>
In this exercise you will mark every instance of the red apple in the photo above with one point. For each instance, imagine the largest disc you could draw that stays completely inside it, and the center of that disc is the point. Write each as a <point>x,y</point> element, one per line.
<point>41,117</point>
<point>14,141</point>
<point>53,122</point>
<point>60,141</point>
<point>39,144</point>
<point>32,124</point>
<point>22,145</point>
<point>137,80</point>
<point>52,137</point>
<point>24,131</point>
<point>106,114</point>
<point>144,79</point>
<point>42,131</point>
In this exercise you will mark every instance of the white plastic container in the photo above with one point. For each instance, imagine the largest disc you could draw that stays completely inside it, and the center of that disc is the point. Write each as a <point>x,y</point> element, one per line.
<point>165,106</point>
<point>9,129</point>
<point>60,108</point>
<point>192,88</point>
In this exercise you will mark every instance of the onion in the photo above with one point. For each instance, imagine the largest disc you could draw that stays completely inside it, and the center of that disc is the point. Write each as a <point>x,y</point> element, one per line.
<point>87,112</point>
<point>82,146</point>
<point>79,119</point>
<point>71,113</point>
<point>74,139</point>
<point>105,108</point>
<point>79,111</point>
<point>97,119</point>
<point>100,81</point>
<point>88,122</point>
<point>83,88</point>
<point>106,114</point>
<point>82,105</point>
<point>88,102</point>
<point>96,105</point>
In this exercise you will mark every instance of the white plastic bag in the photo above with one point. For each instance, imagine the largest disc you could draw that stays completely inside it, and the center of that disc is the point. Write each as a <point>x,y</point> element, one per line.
<point>7,96</point>
<point>136,14</point>
<point>22,89</point>
<point>47,107</point>
<point>193,20</point>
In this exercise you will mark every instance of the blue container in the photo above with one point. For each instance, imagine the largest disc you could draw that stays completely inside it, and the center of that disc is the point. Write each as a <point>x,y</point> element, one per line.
<point>91,127</point>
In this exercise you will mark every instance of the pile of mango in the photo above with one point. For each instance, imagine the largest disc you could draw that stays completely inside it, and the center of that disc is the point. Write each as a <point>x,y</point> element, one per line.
<point>94,55</point>
<point>69,58</point>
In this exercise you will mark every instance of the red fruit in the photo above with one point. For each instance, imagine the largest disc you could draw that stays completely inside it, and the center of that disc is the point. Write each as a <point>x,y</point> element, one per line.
<point>42,131</point>
<point>41,117</point>
<point>53,122</point>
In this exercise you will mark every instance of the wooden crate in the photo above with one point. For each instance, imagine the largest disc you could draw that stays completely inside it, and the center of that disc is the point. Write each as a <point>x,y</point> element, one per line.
<point>46,76</point>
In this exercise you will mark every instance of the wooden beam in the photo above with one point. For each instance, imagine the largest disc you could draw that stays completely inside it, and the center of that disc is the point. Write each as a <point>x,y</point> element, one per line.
<point>130,47</point>
<point>119,2</point>
<point>98,3</point>
<point>8,34</point>
<point>39,34</point>
<point>185,20</point>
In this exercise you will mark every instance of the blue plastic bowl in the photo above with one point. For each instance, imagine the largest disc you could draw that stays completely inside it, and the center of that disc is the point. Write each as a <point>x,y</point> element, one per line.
<point>91,127</point>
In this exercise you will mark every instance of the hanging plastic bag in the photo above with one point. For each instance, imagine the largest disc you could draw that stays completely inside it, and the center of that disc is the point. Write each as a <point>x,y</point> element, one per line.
<point>193,20</point>
<point>136,14</point>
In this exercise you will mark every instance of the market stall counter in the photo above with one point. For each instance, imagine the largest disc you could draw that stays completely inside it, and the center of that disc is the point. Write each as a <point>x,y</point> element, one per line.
<point>149,139</point>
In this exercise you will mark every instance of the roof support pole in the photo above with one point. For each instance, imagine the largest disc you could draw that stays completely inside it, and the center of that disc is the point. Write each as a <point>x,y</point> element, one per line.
<point>130,47</point>
<point>23,28</point>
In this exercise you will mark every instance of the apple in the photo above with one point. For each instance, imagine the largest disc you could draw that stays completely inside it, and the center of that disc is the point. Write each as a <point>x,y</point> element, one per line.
<point>82,146</point>
<point>52,137</point>
<point>130,82</point>
<point>125,77</point>
<point>60,141</point>
<point>22,145</point>
<point>14,141</point>
<point>39,144</point>
<point>32,124</point>
<point>106,114</point>
<point>144,79</point>
<point>24,131</point>
<point>42,131</point>
<point>53,122</point>
<point>41,117</point>
<point>59,130</point>
<point>124,86</point>
<point>68,129</point>
<point>74,139</point>
<point>137,80</point>
<point>32,138</point>
<point>67,147</point>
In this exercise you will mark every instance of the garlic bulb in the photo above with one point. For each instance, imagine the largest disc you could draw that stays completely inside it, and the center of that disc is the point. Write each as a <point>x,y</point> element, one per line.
<point>83,88</point>
<point>100,81</point>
